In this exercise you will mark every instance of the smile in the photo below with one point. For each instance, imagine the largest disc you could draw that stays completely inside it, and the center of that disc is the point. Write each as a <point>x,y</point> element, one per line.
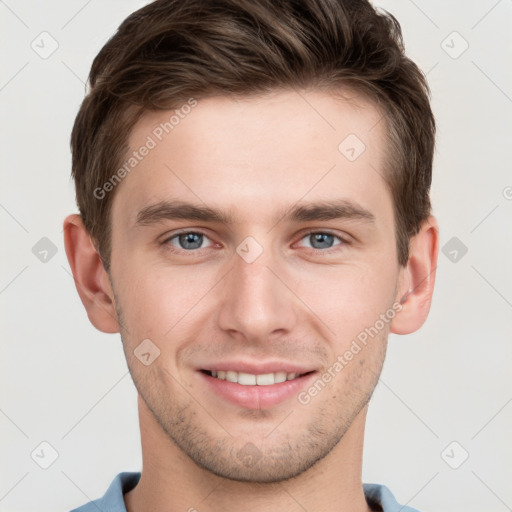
<point>257,390</point>
<point>249,379</point>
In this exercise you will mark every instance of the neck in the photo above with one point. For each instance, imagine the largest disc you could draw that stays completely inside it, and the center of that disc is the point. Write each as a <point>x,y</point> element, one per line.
<point>171,481</point>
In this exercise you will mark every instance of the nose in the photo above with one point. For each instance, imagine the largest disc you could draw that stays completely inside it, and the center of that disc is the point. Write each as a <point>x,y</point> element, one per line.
<point>256,301</point>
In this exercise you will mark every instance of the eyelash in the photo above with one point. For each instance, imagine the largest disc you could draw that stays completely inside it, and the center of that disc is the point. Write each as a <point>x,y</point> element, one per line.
<point>173,249</point>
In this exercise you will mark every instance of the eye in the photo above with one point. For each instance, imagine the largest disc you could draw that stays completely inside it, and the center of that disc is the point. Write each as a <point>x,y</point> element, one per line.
<point>186,241</point>
<point>321,240</point>
<point>192,241</point>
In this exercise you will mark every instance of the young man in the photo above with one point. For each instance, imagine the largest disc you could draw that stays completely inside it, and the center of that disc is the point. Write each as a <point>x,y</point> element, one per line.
<point>253,184</point>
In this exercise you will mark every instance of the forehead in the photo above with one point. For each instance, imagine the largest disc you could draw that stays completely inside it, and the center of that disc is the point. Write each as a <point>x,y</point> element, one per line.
<point>256,154</point>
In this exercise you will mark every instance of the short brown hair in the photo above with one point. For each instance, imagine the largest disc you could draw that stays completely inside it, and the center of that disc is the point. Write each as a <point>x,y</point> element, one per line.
<point>172,50</point>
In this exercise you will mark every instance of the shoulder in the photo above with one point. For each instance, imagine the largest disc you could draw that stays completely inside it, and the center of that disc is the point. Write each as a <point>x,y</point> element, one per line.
<point>379,495</point>
<point>112,500</point>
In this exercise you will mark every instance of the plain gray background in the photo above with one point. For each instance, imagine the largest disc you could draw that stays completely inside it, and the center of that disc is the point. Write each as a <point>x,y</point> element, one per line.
<point>445,392</point>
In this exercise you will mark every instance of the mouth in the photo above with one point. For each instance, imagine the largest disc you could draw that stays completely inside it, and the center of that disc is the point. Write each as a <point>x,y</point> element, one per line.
<point>257,390</point>
<point>250,379</point>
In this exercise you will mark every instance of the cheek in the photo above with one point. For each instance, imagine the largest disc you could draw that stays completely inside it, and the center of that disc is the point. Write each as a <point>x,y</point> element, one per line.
<point>158,301</point>
<point>349,298</point>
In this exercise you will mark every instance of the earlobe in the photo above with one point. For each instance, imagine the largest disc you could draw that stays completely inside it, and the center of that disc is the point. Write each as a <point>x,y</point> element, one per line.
<point>91,279</point>
<point>417,280</point>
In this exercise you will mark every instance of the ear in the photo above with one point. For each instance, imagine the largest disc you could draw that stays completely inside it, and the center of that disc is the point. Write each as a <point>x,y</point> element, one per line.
<point>91,280</point>
<point>416,283</point>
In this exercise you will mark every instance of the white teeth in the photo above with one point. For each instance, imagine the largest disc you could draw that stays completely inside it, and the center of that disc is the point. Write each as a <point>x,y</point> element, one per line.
<point>248,379</point>
<point>231,376</point>
<point>265,379</point>
<point>279,377</point>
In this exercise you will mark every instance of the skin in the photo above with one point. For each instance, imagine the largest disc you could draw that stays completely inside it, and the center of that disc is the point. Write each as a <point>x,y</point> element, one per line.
<point>298,301</point>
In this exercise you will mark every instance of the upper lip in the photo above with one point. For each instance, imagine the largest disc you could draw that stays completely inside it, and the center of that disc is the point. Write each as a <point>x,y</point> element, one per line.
<point>257,368</point>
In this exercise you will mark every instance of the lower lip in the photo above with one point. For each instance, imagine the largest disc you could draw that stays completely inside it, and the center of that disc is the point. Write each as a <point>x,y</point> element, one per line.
<point>257,397</point>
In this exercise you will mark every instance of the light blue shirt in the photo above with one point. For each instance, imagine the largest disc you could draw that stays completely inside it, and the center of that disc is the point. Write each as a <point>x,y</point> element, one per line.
<point>113,501</point>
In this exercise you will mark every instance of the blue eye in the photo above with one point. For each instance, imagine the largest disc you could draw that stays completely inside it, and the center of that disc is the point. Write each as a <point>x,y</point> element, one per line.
<point>321,240</point>
<point>192,241</point>
<point>187,241</point>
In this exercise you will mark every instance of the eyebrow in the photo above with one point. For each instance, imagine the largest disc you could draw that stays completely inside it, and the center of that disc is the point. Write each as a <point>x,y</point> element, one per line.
<point>322,210</point>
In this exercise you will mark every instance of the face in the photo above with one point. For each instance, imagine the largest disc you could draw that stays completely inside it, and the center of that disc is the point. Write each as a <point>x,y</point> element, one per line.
<point>255,243</point>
